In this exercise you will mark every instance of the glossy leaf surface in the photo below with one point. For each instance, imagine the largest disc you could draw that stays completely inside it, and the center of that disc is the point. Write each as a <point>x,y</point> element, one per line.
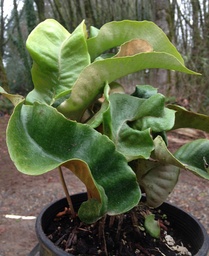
<point>157,180</point>
<point>188,119</point>
<point>116,33</point>
<point>194,155</point>
<point>70,73</point>
<point>131,129</point>
<point>58,56</point>
<point>93,78</point>
<point>40,139</point>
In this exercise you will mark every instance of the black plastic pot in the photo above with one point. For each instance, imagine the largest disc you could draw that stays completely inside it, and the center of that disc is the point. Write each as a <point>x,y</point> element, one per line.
<point>185,224</point>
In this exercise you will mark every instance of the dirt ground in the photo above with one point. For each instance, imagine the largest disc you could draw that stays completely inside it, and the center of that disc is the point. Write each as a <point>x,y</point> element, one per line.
<point>24,196</point>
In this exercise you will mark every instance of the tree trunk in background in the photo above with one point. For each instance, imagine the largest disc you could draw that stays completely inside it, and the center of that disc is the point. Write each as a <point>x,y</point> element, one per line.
<point>30,15</point>
<point>3,76</point>
<point>199,50</point>
<point>2,27</point>
<point>58,7</point>
<point>21,48</point>
<point>196,50</point>
<point>161,16</point>
<point>41,9</point>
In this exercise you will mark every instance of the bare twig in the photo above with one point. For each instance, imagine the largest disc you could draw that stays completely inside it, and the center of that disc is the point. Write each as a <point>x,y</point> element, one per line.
<point>72,237</point>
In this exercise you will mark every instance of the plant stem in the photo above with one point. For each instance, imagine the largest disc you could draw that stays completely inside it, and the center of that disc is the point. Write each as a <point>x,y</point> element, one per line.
<point>66,192</point>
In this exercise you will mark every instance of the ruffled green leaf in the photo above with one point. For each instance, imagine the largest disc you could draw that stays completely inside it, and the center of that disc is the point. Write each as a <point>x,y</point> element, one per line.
<point>93,78</point>
<point>40,139</point>
<point>54,72</point>
<point>158,176</point>
<point>58,57</point>
<point>155,115</point>
<point>132,143</point>
<point>97,118</point>
<point>195,157</point>
<point>188,119</point>
<point>116,33</point>
<point>163,155</point>
<point>131,129</point>
<point>157,180</point>
<point>163,177</point>
<point>144,91</point>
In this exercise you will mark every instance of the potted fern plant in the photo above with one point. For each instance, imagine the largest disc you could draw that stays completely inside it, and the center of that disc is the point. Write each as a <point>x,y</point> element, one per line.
<point>79,116</point>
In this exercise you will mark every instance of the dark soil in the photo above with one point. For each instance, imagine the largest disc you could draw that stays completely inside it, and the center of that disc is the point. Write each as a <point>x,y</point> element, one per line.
<point>122,235</point>
<point>24,196</point>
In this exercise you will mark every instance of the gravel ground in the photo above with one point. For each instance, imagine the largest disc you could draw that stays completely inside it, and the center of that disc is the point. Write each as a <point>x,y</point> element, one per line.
<point>23,195</point>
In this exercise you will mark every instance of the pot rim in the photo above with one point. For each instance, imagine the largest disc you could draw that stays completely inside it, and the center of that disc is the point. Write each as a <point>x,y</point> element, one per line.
<point>58,251</point>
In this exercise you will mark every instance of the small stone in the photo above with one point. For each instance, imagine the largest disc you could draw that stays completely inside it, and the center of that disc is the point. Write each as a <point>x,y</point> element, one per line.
<point>169,240</point>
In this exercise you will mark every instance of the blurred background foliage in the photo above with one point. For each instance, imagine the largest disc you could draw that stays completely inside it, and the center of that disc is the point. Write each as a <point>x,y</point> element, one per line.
<point>185,22</point>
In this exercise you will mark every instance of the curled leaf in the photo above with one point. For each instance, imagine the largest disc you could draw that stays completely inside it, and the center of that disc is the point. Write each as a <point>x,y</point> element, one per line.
<point>14,98</point>
<point>54,71</point>
<point>157,180</point>
<point>116,33</point>
<point>131,129</point>
<point>44,139</point>
<point>188,119</point>
<point>194,155</point>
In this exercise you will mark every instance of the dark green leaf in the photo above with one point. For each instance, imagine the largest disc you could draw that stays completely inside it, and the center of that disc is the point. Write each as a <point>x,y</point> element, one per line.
<point>40,139</point>
<point>194,155</point>
<point>189,119</point>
